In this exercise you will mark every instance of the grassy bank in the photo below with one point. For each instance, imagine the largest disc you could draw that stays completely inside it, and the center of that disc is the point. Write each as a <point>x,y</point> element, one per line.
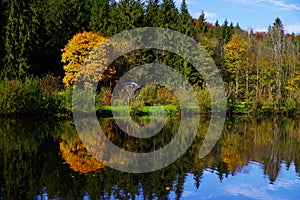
<point>46,97</point>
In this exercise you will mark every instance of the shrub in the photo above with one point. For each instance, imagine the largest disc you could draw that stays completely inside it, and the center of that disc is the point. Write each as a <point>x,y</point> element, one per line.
<point>51,84</point>
<point>28,96</point>
<point>75,53</point>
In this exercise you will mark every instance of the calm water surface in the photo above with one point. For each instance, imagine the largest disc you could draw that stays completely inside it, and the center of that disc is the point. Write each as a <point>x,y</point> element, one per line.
<point>254,159</point>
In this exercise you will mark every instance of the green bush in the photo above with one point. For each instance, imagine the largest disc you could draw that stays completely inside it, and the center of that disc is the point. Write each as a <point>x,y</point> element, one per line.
<point>149,94</point>
<point>29,96</point>
<point>289,107</point>
<point>204,100</point>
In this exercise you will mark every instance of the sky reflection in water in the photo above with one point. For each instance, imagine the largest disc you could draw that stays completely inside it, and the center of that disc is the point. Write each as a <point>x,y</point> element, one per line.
<point>248,184</point>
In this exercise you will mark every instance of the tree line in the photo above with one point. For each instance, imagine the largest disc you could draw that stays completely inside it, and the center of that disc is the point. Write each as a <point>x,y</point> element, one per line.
<point>259,69</point>
<point>34,32</point>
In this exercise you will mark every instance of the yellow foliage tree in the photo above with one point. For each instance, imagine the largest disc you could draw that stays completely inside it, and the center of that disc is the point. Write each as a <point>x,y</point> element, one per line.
<point>293,84</point>
<point>75,53</point>
<point>209,44</point>
<point>237,61</point>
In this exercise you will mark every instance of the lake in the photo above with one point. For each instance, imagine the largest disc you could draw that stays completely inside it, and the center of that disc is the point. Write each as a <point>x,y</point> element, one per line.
<point>253,159</point>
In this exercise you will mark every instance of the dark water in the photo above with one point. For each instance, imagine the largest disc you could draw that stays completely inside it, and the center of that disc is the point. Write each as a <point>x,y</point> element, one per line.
<point>254,159</point>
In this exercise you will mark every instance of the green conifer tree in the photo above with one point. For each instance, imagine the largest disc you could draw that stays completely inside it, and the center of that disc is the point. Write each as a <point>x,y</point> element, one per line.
<point>130,14</point>
<point>185,21</point>
<point>63,19</point>
<point>151,18</point>
<point>3,17</point>
<point>168,15</point>
<point>99,20</point>
<point>202,27</point>
<point>22,37</point>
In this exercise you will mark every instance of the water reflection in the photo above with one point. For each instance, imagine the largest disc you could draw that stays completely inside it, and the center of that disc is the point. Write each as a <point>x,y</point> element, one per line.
<point>249,184</point>
<point>42,196</point>
<point>74,152</point>
<point>254,159</point>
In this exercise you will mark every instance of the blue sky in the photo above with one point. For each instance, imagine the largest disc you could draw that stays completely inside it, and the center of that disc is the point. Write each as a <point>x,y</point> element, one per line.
<point>256,14</point>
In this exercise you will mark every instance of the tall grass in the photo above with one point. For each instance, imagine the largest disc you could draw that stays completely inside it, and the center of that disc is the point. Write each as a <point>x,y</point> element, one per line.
<point>31,96</point>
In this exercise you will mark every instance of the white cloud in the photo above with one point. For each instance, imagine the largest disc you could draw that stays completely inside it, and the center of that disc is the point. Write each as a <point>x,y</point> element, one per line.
<point>178,2</point>
<point>260,29</point>
<point>250,2</point>
<point>249,191</point>
<point>283,5</point>
<point>208,15</point>
<point>278,3</point>
<point>293,28</point>
<point>283,183</point>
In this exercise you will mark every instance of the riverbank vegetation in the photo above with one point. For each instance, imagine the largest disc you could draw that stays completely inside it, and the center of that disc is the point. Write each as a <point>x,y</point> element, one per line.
<point>43,44</point>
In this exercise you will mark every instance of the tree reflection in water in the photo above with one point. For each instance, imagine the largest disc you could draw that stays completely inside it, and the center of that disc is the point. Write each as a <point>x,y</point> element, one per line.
<point>44,159</point>
<point>76,155</point>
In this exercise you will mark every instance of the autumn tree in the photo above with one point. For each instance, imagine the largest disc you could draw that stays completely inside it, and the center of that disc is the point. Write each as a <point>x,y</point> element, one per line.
<point>292,64</point>
<point>275,47</point>
<point>236,62</point>
<point>250,71</point>
<point>75,53</point>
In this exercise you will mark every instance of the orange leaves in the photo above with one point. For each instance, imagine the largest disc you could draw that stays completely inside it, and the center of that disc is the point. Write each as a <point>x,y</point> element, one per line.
<point>95,56</point>
<point>79,158</point>
<point>75,53</point>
